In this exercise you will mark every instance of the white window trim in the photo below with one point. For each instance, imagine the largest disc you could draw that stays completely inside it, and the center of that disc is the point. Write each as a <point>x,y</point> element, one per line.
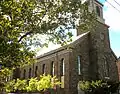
<point>79,65</point>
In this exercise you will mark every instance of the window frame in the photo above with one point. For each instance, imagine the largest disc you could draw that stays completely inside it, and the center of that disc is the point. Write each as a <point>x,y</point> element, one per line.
<point>62,67</point>
<point>43,69</point>
<point>79,64</point>
<point>52,72</point>
<point>106,68</point>
<point>98,10</point>
<point>62,72</point>
<point>30,72</point>
<point>36,71</point>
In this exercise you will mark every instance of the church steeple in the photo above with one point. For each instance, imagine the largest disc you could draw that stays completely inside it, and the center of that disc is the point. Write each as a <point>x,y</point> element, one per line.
<point>97,7</point>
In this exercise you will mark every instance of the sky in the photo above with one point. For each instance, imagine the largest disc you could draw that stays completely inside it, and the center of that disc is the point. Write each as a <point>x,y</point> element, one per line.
<point>112,18</point>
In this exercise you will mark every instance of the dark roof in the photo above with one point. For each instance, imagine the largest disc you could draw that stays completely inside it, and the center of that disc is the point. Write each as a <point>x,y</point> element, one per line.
<point>99,2</point>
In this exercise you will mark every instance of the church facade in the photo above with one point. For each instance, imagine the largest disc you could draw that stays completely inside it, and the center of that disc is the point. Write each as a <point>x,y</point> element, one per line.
<point>87,58</point>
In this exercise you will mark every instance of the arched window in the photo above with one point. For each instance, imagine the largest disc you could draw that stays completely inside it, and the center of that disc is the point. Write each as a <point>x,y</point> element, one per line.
<point>43,69</point>
<point>79,69</point>
<point>24,74</point>
<point>30,71</point>
<point>62,67</point>
<point>106,68</point>
<point>62,72</point>
<point>36,70</point>
<point>52,68</point>
<point>98,10</point>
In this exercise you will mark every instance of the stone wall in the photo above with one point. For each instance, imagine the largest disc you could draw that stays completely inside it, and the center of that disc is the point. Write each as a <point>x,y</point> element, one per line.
<point>103,59</point>
<point>80,48</point>
<point>118,66</point>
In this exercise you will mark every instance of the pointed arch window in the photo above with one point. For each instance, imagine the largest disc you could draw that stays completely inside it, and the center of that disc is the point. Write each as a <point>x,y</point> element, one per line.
<point>30,72</point>
<point>62,67</point>
<point>36,71</point>
<point>106,68</point>
<point>98,11</point>
<point>52,68</point>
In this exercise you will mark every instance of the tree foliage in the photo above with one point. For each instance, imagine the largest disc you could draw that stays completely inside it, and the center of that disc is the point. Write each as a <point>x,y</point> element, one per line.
<point>21,20</point>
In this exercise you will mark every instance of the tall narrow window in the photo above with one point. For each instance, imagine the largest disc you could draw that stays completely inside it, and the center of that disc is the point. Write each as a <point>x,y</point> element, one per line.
<point>62,72</point>
<point>98,10</point>
<point>106,68</point>
<point>52,68</point>
<point>79,69</point>
<point>62,67</point>
<point>43,69</point>
<point>36,71</point>
<point>30,71</point>
<point>24,74</point>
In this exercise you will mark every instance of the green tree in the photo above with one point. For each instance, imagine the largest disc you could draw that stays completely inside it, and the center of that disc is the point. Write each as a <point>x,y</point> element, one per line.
<point>22,20</point>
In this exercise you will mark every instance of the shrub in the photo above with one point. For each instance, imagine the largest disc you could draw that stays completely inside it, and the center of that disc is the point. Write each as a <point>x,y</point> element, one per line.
<point>99,86</point>
<point>44,83</point>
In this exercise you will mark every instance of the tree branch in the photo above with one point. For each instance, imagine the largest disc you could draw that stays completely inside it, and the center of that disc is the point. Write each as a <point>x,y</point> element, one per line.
<point>24,36</point>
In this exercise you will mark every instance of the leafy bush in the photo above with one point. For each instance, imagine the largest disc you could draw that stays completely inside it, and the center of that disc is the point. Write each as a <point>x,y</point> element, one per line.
<point>10,86</point>
<point>20,85</point>
<point>84,85</point>
<point>16,85</point>
<point>47,82</point>
<point>99,86</point>
<point>34,84</point>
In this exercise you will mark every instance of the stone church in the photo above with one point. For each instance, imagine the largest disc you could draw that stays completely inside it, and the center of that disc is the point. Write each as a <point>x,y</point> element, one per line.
<point>87,58</point>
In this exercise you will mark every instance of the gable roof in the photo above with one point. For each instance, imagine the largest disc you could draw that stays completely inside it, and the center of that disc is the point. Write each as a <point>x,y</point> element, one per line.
<point>76,40</point>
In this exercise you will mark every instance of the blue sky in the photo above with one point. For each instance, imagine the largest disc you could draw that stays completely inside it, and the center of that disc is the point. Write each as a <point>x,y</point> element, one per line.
<point>112,18</point>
